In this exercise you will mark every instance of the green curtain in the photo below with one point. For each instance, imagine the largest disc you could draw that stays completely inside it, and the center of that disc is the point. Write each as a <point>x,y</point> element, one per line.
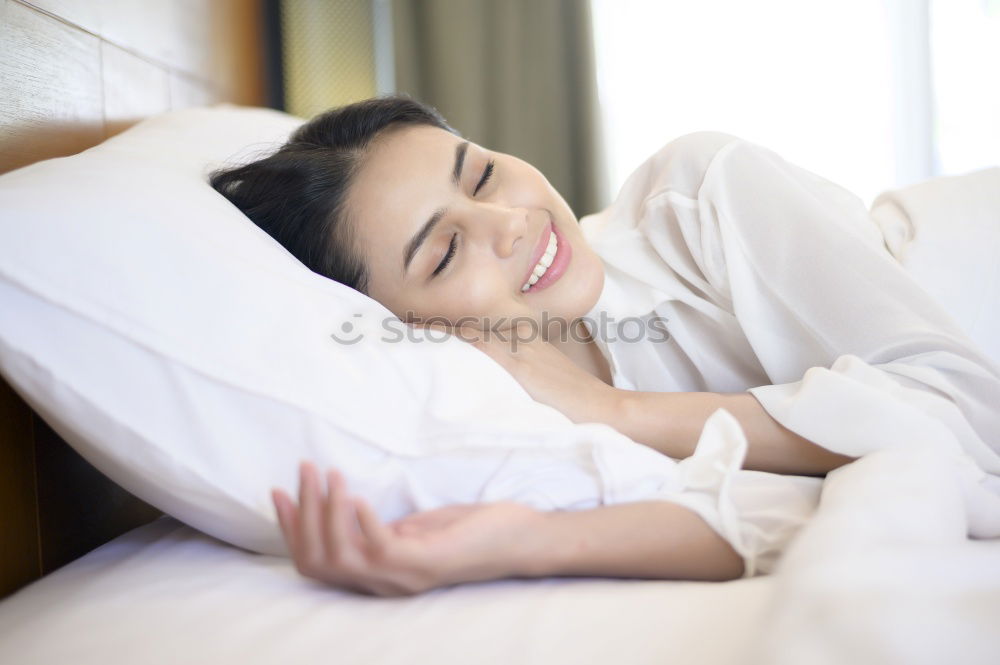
<point>512,75</point>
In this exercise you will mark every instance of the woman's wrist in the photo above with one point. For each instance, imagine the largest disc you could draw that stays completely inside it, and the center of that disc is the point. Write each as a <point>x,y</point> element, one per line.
<point>550,545</point>
<point>531,554</point>
<point>500,554</point>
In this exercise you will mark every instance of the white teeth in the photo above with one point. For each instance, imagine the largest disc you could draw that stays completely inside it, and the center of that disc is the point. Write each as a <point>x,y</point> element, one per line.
<point>543,263</point>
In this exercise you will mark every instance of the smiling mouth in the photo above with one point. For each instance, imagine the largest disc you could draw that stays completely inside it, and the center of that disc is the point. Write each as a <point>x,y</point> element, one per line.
<point>551,263</point>
<point>544,263</point>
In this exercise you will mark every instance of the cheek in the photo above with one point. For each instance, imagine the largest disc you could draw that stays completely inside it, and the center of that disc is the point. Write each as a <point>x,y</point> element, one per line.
<point>473,300</point>
<point>524,185</point>
<point>469,297</point>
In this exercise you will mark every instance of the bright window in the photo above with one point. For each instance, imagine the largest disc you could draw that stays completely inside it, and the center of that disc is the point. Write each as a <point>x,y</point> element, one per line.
<point>844,89</point>
<point>965,52</point>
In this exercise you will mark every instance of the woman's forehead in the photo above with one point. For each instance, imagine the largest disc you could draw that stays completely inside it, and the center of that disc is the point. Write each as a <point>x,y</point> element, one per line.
<point>408,173</point>
<point>412,143</point>
<point>409,160</point>
<point>404,179</point>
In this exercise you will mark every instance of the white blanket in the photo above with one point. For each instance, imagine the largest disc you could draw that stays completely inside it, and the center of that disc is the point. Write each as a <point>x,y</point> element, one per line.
<point>770,276</point>
<point>946,233</point>
<point>884,572</point>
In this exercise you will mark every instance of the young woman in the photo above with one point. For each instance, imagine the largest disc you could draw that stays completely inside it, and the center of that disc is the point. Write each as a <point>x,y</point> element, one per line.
<point>776,294</point>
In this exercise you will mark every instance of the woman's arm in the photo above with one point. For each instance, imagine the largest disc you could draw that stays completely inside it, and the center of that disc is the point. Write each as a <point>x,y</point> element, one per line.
<point>672,422</point>
<point>340,541</point>
<point>646,539</point>
<point>668,422</point>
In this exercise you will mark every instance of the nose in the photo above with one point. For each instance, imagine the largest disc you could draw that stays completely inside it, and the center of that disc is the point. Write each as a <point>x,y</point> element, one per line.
<point>500,227</point>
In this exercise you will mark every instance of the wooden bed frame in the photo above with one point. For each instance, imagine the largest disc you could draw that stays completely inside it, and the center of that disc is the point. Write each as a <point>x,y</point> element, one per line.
<point>72,74</point>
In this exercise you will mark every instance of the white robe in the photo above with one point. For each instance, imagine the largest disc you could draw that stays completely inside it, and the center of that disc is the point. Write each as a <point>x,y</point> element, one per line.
<point>772,280</point>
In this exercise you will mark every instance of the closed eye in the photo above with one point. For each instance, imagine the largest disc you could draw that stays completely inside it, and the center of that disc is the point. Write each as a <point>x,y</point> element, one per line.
<point>453,245</point>
<point>487,172</point>
<point>447,257</point>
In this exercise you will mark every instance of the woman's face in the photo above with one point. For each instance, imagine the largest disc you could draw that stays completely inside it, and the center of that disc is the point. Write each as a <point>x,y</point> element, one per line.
<point>452,231</point>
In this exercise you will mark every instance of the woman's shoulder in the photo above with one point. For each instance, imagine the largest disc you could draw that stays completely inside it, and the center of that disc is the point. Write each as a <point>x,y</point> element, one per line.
<point>698,147</point>
<point>678,166</point>
<point>677,170</point>
<point>661,193</point>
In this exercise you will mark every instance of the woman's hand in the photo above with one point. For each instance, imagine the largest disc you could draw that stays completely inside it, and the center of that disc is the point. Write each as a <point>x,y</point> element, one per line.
<point>545,372</point>
<point>341,541</point>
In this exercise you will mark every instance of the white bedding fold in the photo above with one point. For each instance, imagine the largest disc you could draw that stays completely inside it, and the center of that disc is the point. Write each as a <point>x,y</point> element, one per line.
<point>884,572</point>
<point>946,233</point>
<point>775,281</point>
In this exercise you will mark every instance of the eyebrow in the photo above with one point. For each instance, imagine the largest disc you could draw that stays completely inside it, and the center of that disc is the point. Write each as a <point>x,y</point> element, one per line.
<point>418,239</point>
<point>456,173</point>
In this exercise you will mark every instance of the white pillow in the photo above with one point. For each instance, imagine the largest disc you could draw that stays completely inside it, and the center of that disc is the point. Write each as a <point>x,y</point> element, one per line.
<point>188,356</point>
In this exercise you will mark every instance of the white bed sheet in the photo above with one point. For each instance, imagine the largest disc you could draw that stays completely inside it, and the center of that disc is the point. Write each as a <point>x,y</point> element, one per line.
<point>883,573</point>
<point>165,593</point>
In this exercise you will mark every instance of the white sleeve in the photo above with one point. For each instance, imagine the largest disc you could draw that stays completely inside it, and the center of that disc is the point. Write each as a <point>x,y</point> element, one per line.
<point>756,512</point>
<point>862,357</point>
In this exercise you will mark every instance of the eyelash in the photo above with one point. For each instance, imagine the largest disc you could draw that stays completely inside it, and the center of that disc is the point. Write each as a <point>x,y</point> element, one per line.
<point>486,177</point>
<point>447,257</point>
<point>453,245</point>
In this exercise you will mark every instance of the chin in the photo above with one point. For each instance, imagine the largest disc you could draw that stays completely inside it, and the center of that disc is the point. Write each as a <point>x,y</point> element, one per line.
<point>581,290</point>
<point>591,281</point>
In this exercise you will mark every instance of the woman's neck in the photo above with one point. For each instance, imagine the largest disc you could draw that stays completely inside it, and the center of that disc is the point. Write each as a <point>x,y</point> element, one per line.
<point>580,347</point>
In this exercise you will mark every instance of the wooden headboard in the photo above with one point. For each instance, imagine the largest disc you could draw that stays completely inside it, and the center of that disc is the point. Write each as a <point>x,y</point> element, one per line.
<point>72,74</point>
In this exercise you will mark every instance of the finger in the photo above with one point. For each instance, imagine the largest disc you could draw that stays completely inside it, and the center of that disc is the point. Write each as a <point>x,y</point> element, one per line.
<point>310,543</point>
<point>287,518</point>
<point>337,518</point>
<point>283,507</point>
<point>378,534</point>
<point>328,506</point>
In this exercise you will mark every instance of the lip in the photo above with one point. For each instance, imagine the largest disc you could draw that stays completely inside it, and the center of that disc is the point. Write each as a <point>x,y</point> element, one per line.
<point>540,247</point>
<point>559,262</point>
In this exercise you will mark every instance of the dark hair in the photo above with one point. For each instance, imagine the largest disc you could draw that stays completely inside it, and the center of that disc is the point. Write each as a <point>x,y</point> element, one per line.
<point>297,194</point>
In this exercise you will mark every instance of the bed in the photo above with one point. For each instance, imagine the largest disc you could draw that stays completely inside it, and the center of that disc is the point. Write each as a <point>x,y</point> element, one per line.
<point>81,568</point>
<point>92,574</point>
